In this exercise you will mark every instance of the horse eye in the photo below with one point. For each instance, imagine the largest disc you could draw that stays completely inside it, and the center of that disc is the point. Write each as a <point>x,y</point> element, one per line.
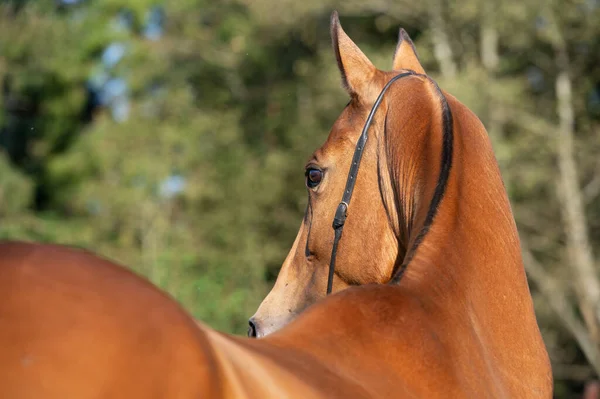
<point>313,177</point>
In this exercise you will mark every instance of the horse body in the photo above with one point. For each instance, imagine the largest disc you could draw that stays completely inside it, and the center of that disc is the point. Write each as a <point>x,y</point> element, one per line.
<point>431,296</point>
<point>79,326</point>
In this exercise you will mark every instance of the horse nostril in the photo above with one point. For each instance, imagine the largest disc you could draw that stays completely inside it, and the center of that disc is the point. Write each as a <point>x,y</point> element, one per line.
<point>251,329</point>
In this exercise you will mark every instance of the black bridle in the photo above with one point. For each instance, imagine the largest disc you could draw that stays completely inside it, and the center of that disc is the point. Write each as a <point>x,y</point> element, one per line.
<point>341,212</point>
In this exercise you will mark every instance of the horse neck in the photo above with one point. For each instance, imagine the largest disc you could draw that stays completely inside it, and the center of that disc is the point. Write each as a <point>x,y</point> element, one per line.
<point>471,248</point>
<point>467,272</point>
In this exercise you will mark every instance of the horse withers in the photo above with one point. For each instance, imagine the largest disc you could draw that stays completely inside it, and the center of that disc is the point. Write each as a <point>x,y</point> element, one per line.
<point>430,296</point>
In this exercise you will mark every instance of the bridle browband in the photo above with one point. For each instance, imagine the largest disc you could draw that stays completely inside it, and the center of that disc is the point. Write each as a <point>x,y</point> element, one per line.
<point>341,211</point>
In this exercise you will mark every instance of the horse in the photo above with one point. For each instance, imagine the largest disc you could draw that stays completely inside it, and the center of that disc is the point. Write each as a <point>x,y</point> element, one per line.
<point>431,216</point>
<point>428,293</point>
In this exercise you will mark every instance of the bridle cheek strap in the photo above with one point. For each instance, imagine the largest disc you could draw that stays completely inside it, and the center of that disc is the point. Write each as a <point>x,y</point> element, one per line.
<point>342,210</point>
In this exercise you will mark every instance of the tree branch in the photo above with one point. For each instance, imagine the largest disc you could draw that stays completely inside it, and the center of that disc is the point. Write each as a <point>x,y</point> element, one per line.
<point>555,295</point>
<point>572,209</point>
<point>592,189</point>
<point>441,43</point>
<point>489,36</point>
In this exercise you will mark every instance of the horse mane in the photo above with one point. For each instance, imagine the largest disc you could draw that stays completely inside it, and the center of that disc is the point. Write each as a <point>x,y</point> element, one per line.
<point>442,182</point>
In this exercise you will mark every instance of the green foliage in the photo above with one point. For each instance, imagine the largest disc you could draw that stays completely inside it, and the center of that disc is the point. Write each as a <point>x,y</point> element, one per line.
<point>15,189</point>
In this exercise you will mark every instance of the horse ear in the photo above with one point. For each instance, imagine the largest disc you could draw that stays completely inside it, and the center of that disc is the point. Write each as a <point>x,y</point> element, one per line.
<point>405,56</point>
<point>355,67</point>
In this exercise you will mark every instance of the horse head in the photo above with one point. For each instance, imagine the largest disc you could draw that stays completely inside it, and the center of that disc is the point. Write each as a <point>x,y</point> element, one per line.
<point>389,192</point>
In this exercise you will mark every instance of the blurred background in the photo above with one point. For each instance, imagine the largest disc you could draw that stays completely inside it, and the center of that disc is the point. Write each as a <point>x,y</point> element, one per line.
<point>171,136</point>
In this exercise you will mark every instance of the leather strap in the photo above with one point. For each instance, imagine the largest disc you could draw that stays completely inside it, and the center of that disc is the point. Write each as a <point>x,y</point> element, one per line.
<point>342,210</point>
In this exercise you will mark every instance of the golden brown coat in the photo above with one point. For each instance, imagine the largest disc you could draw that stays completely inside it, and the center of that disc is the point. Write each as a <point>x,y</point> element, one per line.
<point>456,321</point>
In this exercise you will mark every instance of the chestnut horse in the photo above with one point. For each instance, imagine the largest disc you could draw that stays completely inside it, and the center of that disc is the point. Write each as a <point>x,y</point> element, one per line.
<point>450,314</point>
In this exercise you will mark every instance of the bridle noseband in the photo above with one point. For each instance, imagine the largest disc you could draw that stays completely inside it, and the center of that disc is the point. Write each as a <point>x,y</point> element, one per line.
<point>341,212</point>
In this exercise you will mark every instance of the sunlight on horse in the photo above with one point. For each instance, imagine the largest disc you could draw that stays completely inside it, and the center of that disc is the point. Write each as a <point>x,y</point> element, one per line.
<point>431,298</point>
